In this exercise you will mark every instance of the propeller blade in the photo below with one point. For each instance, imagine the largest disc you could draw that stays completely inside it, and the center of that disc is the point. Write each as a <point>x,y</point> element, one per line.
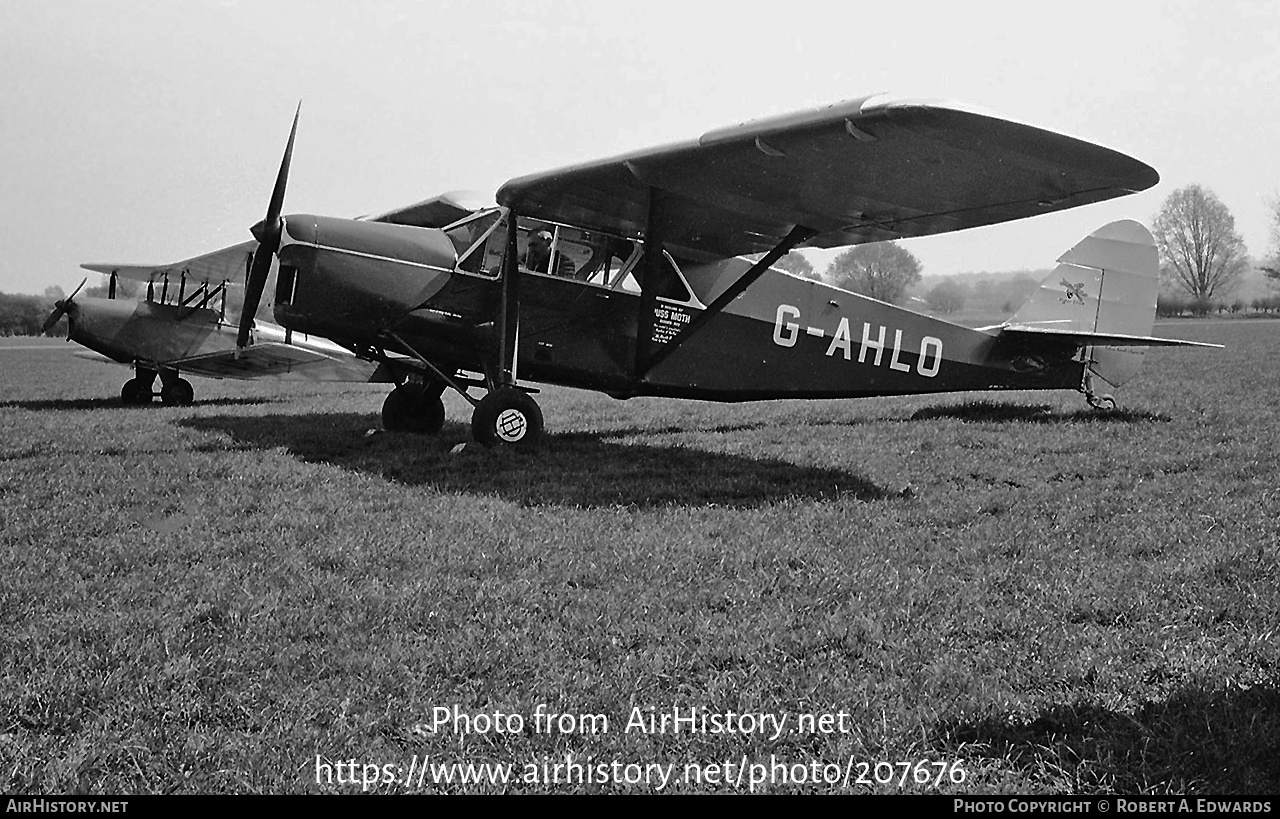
<point>257,281</point>
<point>267,232</point>
<point>60,308</point>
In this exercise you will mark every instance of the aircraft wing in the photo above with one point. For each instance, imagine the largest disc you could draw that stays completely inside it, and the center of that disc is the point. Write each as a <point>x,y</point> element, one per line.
<point>437,211</point>
<point>227,264</point>
<point>277,360</point>
<point>864,170</point>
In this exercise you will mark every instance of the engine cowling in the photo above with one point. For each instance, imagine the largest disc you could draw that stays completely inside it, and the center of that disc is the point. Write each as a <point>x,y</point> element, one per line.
<point>352,279</point>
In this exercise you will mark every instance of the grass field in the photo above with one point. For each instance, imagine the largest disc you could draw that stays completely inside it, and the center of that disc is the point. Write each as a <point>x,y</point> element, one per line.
<point>255,594</point>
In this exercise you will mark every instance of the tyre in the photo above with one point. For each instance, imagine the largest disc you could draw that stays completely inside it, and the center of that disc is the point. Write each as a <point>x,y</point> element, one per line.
<point>507,417</point>
<point>413,408</point>
<point>177,393</point>
<point>136,392</point>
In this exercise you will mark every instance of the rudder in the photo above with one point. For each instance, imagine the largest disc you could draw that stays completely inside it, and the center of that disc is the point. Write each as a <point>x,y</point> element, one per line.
<point>1106,284</point>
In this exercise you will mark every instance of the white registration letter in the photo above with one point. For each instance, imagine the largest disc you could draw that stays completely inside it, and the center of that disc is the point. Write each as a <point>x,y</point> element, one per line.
<point>894,363</point>
<point>841,340</point>
<point>930,350</point>
<point>868,344</point>
<point>786,332</point>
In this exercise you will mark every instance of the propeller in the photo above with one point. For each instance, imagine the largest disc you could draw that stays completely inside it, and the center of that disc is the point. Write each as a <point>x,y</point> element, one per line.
<point>267,232</point>
<point>60,308</point>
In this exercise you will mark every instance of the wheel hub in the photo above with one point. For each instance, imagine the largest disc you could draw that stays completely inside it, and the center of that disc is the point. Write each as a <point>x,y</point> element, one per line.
<point>511,425</point>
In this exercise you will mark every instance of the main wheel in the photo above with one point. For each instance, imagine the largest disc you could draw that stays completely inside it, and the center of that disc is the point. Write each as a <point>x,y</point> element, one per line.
<point>413,408</point>
<point>136,392</point>
<point>178,393</point>
<point>507,417</point>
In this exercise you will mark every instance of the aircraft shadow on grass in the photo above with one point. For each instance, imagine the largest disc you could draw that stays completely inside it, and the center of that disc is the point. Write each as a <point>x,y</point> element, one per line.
<point>585,469</point>
<point>1000,413</point>
<point>1223,742</point>
<point>113,403</point>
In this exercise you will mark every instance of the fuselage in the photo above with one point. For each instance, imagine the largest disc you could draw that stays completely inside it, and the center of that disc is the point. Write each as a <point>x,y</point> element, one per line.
<point>128,331</point>
<point>168,337</point>
<point>391,286</point>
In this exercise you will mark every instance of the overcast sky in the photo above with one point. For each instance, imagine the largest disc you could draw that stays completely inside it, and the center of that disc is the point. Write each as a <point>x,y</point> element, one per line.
<point>139,131</point>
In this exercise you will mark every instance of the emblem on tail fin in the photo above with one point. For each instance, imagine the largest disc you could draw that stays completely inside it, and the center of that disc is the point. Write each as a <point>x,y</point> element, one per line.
<point>1075,293</point>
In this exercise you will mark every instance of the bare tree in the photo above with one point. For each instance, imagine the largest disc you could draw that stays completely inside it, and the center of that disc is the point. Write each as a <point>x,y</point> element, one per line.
<point>882,270</point>
<point>1199,247</point>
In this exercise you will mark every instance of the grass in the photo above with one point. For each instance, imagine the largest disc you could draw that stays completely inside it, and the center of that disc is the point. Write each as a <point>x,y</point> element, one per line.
<point>1048,599</point>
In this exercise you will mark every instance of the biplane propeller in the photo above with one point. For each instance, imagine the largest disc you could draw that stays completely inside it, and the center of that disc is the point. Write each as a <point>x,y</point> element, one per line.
<point>62,307</point>
<point>650,273</point>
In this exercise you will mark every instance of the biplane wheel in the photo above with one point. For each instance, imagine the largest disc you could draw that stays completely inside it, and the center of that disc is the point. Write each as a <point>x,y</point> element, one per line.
<point>136,392</point>
<point>413,408</point>
<point>507,417</point>
<point>178,393</point>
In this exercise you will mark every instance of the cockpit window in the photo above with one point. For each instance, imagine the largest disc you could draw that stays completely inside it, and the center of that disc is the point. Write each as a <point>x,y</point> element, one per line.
<point>468,236</point>
<point>670,285</point>
<point>587,256</point>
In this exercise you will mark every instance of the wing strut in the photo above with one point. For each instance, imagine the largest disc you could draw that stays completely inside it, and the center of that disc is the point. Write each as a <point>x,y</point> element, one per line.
<point>458,387</point>
<point>798,234</point>
<point>650,282</point>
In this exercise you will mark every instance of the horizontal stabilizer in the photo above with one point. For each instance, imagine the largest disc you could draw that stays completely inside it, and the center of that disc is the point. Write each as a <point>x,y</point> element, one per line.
<point>1084,339</point>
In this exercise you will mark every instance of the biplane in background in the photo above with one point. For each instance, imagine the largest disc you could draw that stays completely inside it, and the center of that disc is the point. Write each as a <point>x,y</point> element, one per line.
<point>650,273</point>
<point>182,326</point>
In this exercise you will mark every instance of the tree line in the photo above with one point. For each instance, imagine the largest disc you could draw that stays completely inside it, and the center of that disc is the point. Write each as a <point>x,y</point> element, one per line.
<point>22,314</point>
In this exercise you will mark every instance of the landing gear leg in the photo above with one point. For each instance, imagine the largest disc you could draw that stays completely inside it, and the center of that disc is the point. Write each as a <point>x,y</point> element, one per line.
<point>1098,401</point>
<point>416,408</point>
<point>507,416</point>
<point>136,392</point>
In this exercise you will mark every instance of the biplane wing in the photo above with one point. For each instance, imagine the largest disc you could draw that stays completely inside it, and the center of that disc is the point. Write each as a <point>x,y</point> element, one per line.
<point>230,264</point>
<point>865,170</point>
<point>296,360</point>
<point>226,264</point>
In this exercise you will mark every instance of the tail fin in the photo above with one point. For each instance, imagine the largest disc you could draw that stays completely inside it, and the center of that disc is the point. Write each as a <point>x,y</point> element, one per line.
<point>1102,294</point>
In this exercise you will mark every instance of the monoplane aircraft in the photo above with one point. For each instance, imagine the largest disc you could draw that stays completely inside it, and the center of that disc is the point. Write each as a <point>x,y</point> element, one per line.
<point>650,273</point>
<point>182,326</point>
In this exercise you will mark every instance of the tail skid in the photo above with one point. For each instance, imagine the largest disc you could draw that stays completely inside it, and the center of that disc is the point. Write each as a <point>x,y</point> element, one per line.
<point>1102,297</point>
